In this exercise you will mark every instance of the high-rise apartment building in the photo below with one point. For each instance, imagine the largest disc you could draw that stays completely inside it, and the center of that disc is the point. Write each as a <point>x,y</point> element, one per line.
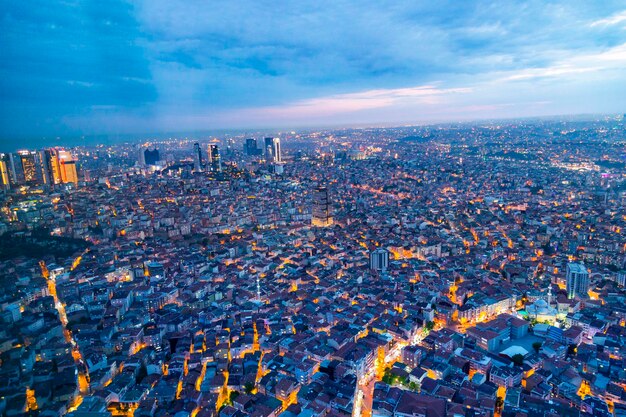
<point>379,259</point>
<point>322,210</point>
<point>577,280</point>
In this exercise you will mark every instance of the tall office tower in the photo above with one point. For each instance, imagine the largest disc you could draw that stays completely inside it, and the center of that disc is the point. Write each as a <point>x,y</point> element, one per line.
<point>45,167</point>
<point>230,146</point>
<point>29,160</point>
<point>15,169</point>
<point>272,150</point>
<point>250,147</point>
<point>67,164</point>
<point>141,157</point>
<point>322,210</point>
<point>197,157</point>
<point>577,280</point>
<point>49,167</point>
<point>215,161</point>
<point>151,157</point>
<point>379,259</point>
<point>268,149</point>
<point>28,166</point>
<point>5,176</point>
<point>58,166</point>
<point>278,156</point>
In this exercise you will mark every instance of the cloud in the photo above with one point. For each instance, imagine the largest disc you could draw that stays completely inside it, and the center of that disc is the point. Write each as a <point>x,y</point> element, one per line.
<point>611,59</point>
<point>609,21</point>
<point>69,67</point>
<point>355,102</point>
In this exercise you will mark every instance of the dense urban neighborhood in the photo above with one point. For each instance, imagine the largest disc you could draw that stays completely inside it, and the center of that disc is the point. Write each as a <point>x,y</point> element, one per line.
<point>472,270</point>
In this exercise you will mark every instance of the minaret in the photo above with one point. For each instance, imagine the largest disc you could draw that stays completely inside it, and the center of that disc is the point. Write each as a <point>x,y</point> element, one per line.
<point>258,288</point>
<point>549,295</point>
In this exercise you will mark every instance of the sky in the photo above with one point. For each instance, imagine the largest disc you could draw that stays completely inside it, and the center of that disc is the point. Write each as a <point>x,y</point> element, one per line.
<point>71,68</point>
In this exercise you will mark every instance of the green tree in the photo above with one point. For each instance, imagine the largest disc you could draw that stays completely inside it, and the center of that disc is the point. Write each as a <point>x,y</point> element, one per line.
<point>248,387</point>
<point>414,386</point>
<point>537,346</point>
<point>571,350</point>
<point>499,402</point>
<point>518,359</point>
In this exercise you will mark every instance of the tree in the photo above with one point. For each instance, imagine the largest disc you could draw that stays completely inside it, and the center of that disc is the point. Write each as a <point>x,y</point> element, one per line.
<point>414,386</point>
<point>430,325</point>
<point>248,387</point>
<point>571,350</point>
<point>537,346</point>
<point>518,359</point>
<point>499,402</point>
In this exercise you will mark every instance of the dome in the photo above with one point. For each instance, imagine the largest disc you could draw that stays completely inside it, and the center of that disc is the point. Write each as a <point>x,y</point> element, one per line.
<point>541,303</point>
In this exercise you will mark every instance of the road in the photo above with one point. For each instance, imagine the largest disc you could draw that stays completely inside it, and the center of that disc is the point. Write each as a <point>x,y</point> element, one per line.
<point>82,379</point>
<point>364,395</point>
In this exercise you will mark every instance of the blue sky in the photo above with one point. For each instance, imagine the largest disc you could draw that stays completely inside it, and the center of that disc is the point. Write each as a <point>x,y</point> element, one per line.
<point>87,67</point>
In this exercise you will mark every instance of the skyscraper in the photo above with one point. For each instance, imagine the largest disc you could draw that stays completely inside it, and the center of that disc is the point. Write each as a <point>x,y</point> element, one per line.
<point>272,150</point>
<point>215,161</point>
<point>230,146</point>
<point>5,178</point>
<point>322,210</point>
<point>58,166</point>
<point>29,166</point>
<point>67,163</point>
<point>577,280</point>
<point>379,259</point>
<point>268,149</point>
<point>197,157</point>
<point>251,147</point>
<point>151,157</point>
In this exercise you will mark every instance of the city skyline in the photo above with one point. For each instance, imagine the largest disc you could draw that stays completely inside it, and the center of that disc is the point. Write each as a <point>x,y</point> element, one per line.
<point>73,70</point>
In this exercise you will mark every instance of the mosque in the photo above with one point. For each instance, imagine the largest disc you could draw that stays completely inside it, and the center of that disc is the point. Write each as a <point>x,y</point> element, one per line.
<point>542,310</point>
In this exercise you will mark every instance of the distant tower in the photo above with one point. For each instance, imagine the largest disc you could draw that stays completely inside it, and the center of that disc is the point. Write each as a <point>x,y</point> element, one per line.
<point>322,210</point>
<point>268,149</point>
<point>141,157</point>
<point>58,166</point>
<point>379,259</point>
<point>67,163</point>
<point>577,280</point>
<point>278,155</point>
<point>197,157</point>
<point>151,157</point>
<point>215,161</point>
<point>29,166</point>
<point>250,147</point>
<point>5,178</point>
<point>272,150</point>
<point>230,145</point>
